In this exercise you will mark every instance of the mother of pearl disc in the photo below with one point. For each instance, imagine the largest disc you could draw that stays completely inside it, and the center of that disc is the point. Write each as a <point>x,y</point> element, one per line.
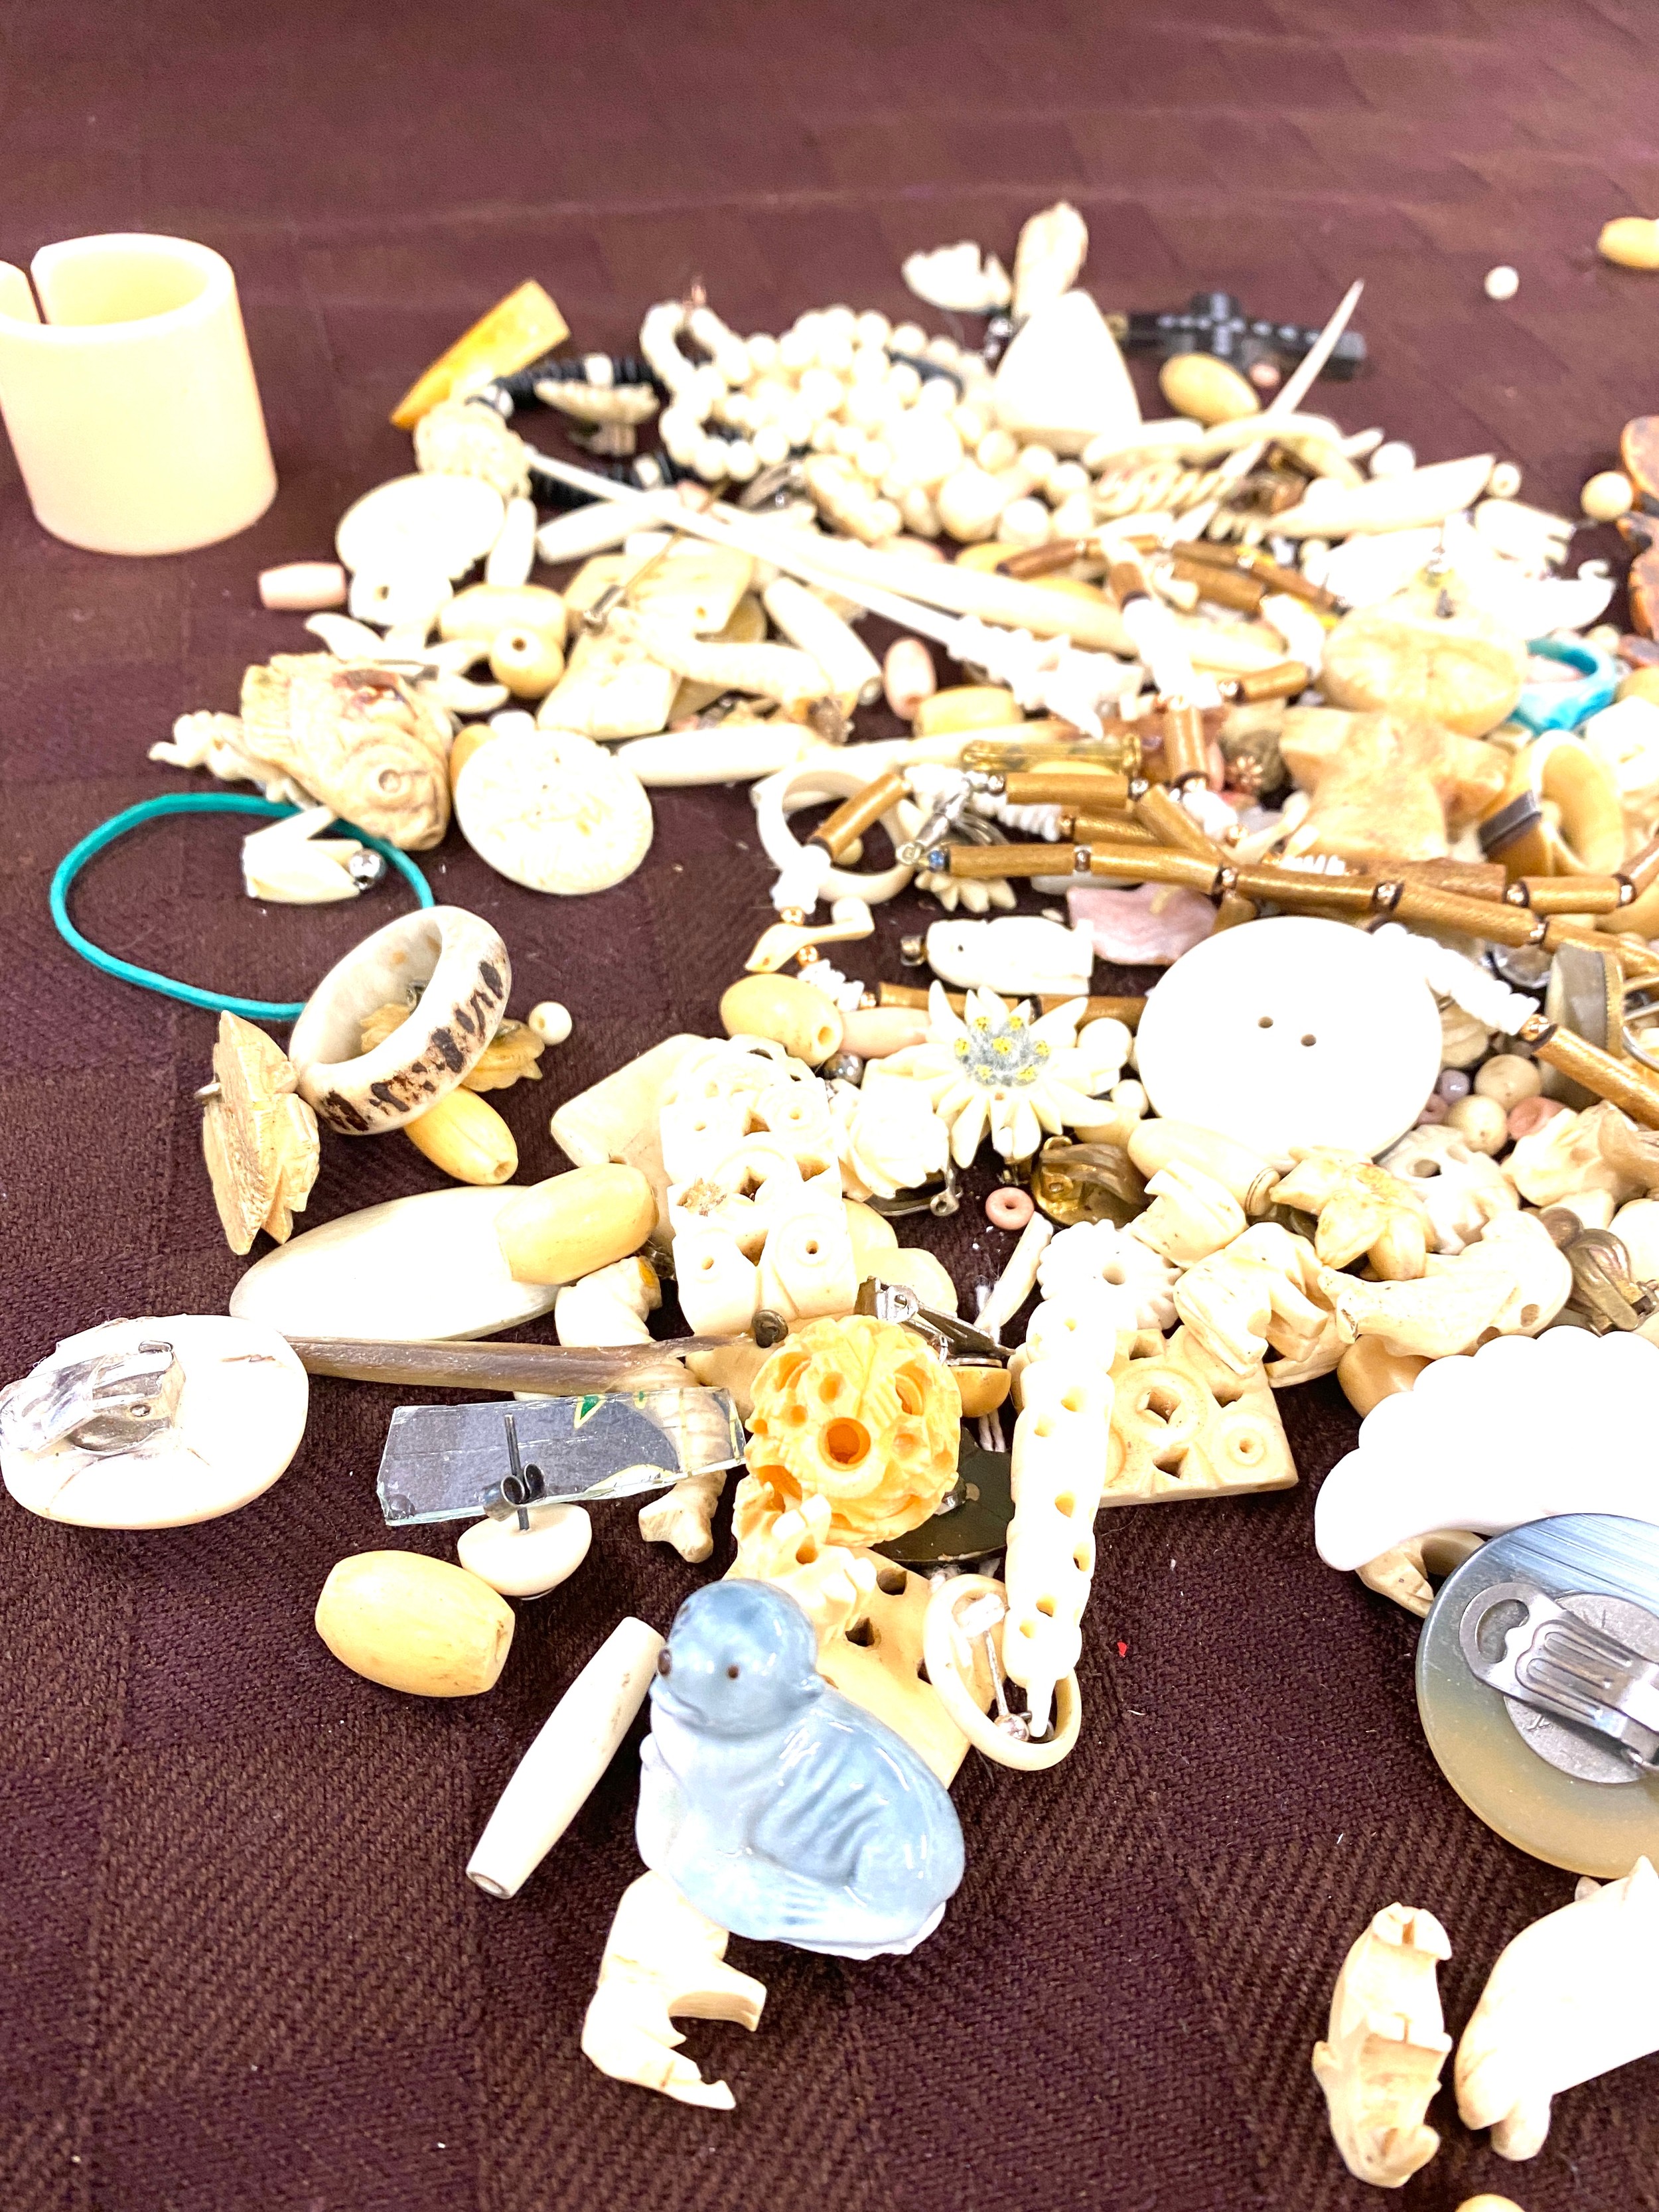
<point>1291,1033</point>
<point>241,1415</point>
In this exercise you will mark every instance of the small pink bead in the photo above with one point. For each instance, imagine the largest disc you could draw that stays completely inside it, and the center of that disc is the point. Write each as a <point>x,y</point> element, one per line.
<point>1435,1109</point>
<point>303,586</point>
<point>1009,1207</point>
<point>1532,1113</point>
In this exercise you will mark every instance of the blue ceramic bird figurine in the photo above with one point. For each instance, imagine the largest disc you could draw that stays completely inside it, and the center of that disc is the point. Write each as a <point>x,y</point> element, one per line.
<point>778,1807</point>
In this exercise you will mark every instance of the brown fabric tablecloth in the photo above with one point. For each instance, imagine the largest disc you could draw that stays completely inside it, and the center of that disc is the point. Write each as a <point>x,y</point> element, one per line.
<point>242,1971</point>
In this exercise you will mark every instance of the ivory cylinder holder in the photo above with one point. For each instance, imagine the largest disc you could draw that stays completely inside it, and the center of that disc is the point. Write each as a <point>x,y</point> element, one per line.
<point>554,1779</point>
<point>131,407</point>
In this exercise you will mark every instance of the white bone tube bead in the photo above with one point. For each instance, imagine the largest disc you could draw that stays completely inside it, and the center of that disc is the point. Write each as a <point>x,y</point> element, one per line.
<point>853,671</point>
<point>1057,1471</point>
<point>513,555</point>
<point>719,1290</point>
<point>554,1779</point>
<point>1019,1278</point>
<point>586,530</point>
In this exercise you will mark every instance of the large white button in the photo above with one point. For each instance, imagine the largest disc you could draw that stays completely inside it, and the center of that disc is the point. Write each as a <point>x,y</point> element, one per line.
<point>1291,1033</point>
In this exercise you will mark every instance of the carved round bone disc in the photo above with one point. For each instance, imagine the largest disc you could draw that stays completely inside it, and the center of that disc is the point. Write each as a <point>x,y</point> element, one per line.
<point>553,812</point>
<point>240,1414</point>
<point>420,522</point>
<point>459,966</point>
<point>1291,1032</point>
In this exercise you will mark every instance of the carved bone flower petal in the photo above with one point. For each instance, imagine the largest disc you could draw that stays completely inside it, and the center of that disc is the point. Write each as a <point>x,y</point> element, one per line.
<point>994,1068</point>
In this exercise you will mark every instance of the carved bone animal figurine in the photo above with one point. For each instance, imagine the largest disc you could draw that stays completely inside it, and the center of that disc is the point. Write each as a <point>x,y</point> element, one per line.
<point>1259,1292</point>
<point>1462,1189</point>
<point>1362,1209</point>
<point>1574,1995</point>
<point>359,738</point>
<point>1514,1281</point>
<point>1015,955</point>
<point>1380,2064</point>
<point>664,1958</point>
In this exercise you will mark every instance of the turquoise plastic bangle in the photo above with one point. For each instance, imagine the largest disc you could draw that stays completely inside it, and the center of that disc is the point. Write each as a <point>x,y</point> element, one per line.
<point>193,802</point>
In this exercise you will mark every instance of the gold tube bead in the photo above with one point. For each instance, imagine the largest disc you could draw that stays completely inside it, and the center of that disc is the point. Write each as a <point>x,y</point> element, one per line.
<point>1106,829</point>
<point>1185,756</point>
<point>1568,893</point>
<point>858,813</point>
<point>1302,888</point>
<point>1086,785</point>
<point>1151,864</point>
<point>1282,681</point>
<point>984,860</point>
<point>1157,810</point>
<point>1621,1081</point>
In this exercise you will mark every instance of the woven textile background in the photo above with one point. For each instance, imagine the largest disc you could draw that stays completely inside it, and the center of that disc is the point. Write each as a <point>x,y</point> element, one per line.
<point>241,1970</point>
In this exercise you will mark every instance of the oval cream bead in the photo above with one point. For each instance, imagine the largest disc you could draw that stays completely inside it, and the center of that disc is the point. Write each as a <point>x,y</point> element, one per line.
<point>1509,1078</point>
<point>1632,241</point>
<point>874,1031</point>
<point>550,1021</point>
<point>415,1624</point>
<point>303,586</point>
<point>789,1011</point>
<point>528,661</point>
<point>907,677</point>
<point>464,1136</point>
<point>967,707</point>
<point>1481,1121</point>
<point>527,1562</point>
<point>1208,390</point>
<point>1606,496</point>
<point>485,610</point>
<point>573,1224</point>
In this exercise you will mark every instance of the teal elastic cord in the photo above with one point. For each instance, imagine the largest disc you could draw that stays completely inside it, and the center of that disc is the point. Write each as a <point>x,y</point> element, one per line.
<point>194,802</point>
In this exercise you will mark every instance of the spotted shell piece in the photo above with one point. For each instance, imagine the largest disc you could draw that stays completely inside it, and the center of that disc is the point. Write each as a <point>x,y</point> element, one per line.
<point>859,1411</point>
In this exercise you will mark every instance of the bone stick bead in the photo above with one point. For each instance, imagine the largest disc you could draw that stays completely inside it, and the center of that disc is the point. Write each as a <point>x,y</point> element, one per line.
<point>303,586</point>
<point>853,671</point>
<point>513,555</point>
<point>554,1779</point>
<point>1058,1471</point>
<point>1018,1277</point>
